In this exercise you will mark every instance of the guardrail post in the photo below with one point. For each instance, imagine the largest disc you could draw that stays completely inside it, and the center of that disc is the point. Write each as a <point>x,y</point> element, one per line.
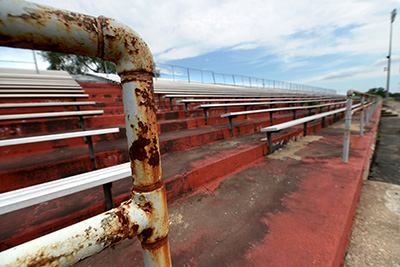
<point>346,143</point>
<point>362,117</point>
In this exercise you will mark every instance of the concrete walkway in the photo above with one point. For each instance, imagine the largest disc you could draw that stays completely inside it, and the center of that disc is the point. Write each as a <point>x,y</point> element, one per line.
<point>292,208</point>
<point>375,239</point>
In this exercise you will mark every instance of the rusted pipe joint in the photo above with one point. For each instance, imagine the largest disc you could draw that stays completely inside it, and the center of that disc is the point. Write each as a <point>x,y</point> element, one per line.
<point>154,204</point>
<point>124,47</point>
<point>350,93</point>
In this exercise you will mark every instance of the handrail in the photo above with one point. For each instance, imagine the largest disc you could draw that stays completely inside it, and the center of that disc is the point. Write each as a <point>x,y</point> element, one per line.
<point>369,103</point>
<point>29,25</point>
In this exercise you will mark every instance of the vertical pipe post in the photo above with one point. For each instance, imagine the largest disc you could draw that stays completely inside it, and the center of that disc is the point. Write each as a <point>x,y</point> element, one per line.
<point>205,115</point>
<point>367,113</point>
<point>393,15</point>
<point>230,125</point>
<point>269,143</point>
<point>346,143</point>
<point>144,153</point>
<point>305,129</point>
<point>186,109</point>
<point>271,118</point>
<point>362,117</point>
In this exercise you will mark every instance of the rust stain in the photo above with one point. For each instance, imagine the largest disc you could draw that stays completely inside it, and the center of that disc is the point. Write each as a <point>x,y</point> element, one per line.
<point>156,245</point>
<point>147,188</point>
<point>137,150</point>
<point>154,159</point>
<point>146,234</point>
<point>159,252</point>
<point>41,260</point>
<point>147,99</point>
<point>115,225</point>
<point>132,226</point>
<point>143,128</point>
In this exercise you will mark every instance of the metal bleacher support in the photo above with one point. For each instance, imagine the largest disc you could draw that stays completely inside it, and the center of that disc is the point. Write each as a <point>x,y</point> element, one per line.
<point>206,107</point>
<point>232,115</point>
<point>350,109</point>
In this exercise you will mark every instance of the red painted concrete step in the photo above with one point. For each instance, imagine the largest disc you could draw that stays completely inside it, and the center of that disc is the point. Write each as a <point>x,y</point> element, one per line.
<point>184,172</point>
<point>19,172</point>
<point>295,208</point>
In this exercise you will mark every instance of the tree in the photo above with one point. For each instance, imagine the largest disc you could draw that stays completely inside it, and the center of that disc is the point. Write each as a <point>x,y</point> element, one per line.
<point>381,92</point>
<point>77,64</point>
<point>157,73</point>
<point>377,91</point>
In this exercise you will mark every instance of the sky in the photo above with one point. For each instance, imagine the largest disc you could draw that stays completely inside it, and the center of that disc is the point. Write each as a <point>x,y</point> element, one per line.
<point>335,44</point>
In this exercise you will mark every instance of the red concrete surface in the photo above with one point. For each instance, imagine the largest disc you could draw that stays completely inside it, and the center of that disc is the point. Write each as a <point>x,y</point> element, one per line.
<point>184,172</point>
<point>199,163</point>
<point>273,212</point>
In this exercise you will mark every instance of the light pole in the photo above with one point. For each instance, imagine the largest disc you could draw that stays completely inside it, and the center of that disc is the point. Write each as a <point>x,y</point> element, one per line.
<point>393,16</point>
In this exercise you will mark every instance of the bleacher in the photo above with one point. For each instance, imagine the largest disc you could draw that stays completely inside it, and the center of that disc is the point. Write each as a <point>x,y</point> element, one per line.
<point>181,129</point>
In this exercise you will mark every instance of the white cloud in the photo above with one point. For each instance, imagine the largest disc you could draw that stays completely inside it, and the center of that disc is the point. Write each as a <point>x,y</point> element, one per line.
<point>289,32</point>
<point>373,70</point>
<point>177,29</point>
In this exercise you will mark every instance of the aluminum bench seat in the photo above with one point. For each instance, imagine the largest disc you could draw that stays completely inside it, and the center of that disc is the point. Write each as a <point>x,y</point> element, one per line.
<point>205,107</point>
<point>48,91</point>
<point>232,115</point>
<point>32,195</point>
<point>46,104</point>
<point>28,116</point>
<point>52,137</point>
<point>44,96</point>
<point>276,128</point>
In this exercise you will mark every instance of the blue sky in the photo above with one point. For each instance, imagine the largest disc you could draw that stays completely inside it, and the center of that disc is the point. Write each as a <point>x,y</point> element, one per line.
<point>332,44</point>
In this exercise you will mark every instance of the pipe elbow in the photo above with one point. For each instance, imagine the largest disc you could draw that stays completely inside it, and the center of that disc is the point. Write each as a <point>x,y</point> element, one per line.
<point>350,93</point>
<point>124,47</point>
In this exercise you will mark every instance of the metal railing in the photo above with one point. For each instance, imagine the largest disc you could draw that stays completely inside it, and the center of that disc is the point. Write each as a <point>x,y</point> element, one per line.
<point>368,105</point>
<point>174,72</point>
<point>29,25</point>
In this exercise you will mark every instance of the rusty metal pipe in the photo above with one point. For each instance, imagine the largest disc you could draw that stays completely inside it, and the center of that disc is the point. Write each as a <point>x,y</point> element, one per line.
<point>73,243</point>
<point>29,25</point>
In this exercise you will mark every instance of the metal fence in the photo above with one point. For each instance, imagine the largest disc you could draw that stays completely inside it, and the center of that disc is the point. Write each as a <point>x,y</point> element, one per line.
<point>174,72</point>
